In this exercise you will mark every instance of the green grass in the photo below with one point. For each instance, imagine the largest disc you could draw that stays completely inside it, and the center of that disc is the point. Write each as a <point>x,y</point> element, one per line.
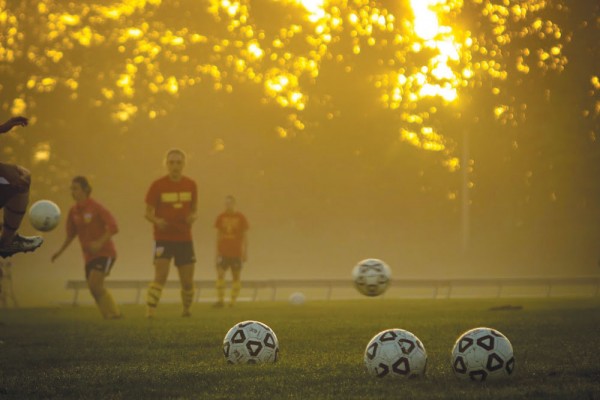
<point>72,353</point>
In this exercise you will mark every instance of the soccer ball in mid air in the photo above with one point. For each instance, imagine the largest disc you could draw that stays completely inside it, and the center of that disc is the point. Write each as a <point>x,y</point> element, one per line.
<point>371,277</point>
<point>44,215</point>
<point>483,354</point>
<point>250,342</point>
<point>395,353</point>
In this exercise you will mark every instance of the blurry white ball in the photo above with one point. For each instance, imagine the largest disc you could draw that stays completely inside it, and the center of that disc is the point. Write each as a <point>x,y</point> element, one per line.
<point>297,298</point>
<point>44,215</point>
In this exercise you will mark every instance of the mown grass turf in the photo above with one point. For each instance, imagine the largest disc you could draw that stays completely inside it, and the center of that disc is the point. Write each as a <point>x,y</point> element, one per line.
<point>72,353</point>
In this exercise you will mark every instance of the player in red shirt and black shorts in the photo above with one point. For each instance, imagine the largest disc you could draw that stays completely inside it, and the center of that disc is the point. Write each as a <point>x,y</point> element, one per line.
<point>171,207</point>
<point>95,226</point>
<point>232,247</point>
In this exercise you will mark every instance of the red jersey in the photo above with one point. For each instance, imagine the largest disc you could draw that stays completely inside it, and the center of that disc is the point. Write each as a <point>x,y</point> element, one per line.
<point>173,202</point>
<point>89,220</point>
<point>231,227</point>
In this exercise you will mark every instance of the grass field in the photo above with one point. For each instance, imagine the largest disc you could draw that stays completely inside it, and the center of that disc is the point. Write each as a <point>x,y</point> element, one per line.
<point>72,353</point>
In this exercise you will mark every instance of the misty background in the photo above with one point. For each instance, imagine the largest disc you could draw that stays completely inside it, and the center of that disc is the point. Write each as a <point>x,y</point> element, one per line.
<point>321,194</point>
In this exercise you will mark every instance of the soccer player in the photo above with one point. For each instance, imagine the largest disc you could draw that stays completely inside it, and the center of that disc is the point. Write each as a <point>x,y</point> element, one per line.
<point>95,227</point>
<point>171,208</point>
<point>232,245</point>
<point>14,198</point>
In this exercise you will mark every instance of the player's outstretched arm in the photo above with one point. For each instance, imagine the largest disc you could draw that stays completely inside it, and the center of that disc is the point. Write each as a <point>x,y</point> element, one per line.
<point>65,244</point>
<point>11,123</point>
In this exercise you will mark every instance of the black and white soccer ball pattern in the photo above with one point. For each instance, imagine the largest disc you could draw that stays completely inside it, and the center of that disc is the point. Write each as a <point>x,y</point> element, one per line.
<point>250,342</point>
<point>395,353</point>
<point>483,354</point>
<point>371,277</point>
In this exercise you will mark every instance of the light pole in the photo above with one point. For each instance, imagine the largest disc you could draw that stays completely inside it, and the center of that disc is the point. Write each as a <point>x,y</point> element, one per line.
<point>465,199</point>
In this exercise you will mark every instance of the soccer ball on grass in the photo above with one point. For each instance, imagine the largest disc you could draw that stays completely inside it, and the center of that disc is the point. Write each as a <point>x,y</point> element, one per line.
<point>250,342</point>
<point>483,354</point>
<point>297,298</point>
<point>395,353</point>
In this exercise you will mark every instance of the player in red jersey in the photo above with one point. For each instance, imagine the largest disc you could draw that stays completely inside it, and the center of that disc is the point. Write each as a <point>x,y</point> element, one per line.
<point>94,226</point>
<point>14,198</point>
<point>232,246</point>
<point>171,208</point>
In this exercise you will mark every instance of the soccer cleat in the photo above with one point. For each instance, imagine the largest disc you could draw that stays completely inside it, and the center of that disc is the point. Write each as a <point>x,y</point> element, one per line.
<point>186,313</point>
<point>20,244</point>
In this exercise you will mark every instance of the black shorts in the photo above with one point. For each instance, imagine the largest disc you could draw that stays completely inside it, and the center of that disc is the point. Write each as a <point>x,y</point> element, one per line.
<point>227,262</point>
<point>103,264</point>
<point>181,252</point>
<point>13,180</point>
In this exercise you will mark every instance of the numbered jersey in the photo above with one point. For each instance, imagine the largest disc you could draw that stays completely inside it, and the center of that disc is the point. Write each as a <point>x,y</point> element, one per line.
<point>231,228</point>
<point>173,201</point>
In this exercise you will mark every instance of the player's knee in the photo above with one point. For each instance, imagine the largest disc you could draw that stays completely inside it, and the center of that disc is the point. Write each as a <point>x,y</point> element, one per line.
<point>97,291</point>
<point>18,178</point>
<point>23,181</point>
<point>187,286</point>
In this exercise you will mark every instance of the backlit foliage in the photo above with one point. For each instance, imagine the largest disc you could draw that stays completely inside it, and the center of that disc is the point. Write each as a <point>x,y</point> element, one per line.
<point>422,55</point>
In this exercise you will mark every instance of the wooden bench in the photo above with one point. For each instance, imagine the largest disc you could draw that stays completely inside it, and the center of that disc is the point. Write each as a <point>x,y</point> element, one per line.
<point>255,285</point>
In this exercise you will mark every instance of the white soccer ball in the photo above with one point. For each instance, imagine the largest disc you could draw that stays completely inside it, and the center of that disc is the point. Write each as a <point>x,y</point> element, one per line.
<point>250,342</point>
<point>395,353</point>
<point>44,215</point>
<point>297,298</point>
<point>371,277</point>
<point>483,354</point>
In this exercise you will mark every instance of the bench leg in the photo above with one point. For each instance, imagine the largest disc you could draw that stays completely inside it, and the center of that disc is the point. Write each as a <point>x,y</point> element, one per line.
<point>75,297</point>
<point>138,295</point>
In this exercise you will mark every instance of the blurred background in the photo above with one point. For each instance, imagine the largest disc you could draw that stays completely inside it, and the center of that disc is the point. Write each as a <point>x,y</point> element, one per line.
<point>450,138</point>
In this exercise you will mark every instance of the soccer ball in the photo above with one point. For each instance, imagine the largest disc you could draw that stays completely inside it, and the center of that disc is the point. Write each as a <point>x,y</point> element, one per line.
<point>482,354</point>
<point>371,277</point>
<point>297,298</point>
<point>250,342</point>
<point>44,215</point>
<point>395,353</point>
